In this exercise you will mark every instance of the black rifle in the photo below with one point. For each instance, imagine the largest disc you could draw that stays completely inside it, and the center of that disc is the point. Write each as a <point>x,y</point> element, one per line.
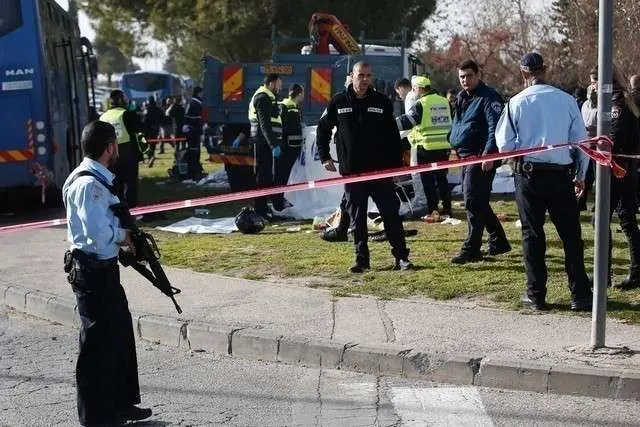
<point>146,251</point>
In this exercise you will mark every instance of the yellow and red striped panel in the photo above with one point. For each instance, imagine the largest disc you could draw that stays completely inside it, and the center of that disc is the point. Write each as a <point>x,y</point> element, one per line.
<point>16,155</point>
<point>30,133</point>
<point>232,76</point>
<point>321,85</point>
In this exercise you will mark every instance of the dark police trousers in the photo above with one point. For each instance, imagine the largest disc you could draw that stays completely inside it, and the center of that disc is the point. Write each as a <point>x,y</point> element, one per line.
<point>476,187</point>
<point>193,154</point>
<point>264,172</point>
<point>107,368</point>
<point>623,201</point>
<point>382,192</point>
<point>283,166</point>
<point>126,171</point>
<point>435,182</point>
<point>552,190</point>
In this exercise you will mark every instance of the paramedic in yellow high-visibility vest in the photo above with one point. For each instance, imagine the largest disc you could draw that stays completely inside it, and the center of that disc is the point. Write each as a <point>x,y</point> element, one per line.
<point>127,125</point>
<point>266,136</point>
<point>430,121</point>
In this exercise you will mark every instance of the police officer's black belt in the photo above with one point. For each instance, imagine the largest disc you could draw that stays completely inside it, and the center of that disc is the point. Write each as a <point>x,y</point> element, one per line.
<point>91,260</point>
<point>534,167</point>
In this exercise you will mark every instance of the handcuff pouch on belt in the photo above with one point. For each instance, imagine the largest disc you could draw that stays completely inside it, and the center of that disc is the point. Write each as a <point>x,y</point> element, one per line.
<point>75,259</point>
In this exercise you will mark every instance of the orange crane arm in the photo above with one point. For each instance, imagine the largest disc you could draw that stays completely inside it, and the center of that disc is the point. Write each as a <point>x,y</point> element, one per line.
<point>326,29</point>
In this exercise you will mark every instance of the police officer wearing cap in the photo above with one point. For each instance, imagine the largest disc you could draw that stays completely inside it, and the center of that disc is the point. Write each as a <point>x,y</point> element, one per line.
<point>430,119</point>
<point>542,115</point>
<point>266,135</point>
<point>367,140</point>
<point>477,111</point>
<point>127,125</point>
<point>107,368</point>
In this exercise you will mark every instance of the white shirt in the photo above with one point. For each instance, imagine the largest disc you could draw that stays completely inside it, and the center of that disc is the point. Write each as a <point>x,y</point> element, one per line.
<point>410,100</point>
<point>92,226</point>
<point>543,115</point>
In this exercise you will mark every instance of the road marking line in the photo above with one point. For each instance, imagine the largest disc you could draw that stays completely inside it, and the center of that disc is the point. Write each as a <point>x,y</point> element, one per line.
<point>440,406</point>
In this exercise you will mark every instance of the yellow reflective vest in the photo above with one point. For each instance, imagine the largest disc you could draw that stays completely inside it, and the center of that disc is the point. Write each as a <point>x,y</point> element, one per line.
<point>276,120</point>
<point>114,116</point>
<point>431,133</point>
<point>291,122</point>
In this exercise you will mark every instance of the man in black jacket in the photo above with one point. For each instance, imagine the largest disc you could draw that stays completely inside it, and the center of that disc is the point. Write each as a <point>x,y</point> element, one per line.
<point>625,134</point>
<point>193,129</point>
<point>292,141</point>
<point>266,135</point>
<point>634,83</point>
<point>368,140</point>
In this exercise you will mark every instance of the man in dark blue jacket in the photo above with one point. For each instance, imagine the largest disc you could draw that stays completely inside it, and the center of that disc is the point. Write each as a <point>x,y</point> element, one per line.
<point>477,111</point>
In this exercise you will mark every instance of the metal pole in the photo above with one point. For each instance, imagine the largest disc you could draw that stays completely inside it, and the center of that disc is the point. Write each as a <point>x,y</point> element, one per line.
<point>603,178</point>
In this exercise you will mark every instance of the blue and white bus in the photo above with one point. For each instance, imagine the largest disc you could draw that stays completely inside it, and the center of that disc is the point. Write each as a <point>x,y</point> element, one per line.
<point>141,85</point>
<point>46,74</point>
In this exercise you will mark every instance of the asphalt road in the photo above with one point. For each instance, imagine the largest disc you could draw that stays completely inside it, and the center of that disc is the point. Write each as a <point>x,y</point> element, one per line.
<point>196,389</point>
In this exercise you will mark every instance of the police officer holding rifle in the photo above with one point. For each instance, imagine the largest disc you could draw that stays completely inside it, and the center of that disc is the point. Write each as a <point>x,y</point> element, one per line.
<point>107,368</point>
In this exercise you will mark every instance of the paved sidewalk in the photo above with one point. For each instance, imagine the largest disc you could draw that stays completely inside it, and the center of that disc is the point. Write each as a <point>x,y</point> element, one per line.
<point>294,324</point>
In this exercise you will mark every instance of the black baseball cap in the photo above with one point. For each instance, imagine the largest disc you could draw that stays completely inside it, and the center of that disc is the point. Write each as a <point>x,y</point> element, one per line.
<point>532,62</point>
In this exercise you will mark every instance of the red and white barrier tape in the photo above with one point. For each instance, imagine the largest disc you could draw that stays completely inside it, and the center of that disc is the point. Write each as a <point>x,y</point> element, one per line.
<point>602,157</point>
<point>171,140</point>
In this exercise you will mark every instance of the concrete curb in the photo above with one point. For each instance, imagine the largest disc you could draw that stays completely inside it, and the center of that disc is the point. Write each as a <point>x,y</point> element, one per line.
<point>376,359</point>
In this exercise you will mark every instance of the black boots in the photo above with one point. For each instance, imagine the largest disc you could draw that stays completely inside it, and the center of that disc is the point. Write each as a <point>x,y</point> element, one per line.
<point>632,281</point>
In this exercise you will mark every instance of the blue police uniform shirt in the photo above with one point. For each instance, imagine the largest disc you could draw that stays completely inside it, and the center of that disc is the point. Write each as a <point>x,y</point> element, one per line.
<point>92,226</point>
<point>542,115</point>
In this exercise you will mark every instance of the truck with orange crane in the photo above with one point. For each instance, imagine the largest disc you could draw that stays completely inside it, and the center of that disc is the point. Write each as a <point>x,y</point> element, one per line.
<point>321,67</point>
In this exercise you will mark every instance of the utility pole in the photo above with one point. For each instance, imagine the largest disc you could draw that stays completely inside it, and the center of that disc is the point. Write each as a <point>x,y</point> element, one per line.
<point>603,177</point>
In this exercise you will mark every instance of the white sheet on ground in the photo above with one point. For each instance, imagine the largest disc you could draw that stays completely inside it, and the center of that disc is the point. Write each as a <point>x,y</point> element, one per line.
<point>202,226</point>
<point>217,179</point>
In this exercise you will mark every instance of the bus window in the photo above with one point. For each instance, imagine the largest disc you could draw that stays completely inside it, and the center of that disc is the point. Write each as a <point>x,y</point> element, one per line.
<point>11,16</point>
<point>146,82</point>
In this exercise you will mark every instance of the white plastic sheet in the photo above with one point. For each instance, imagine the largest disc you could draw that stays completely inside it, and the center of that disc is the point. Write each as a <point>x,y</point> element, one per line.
<point>217,179</point>
<point>320,201</point>
<point>202,226</point>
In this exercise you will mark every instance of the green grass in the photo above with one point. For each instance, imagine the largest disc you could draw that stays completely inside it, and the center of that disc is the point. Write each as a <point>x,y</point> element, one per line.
<point>304,258</point>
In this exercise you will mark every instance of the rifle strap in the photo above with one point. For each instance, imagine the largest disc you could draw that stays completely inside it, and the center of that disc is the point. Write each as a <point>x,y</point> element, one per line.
<point>98,178</point>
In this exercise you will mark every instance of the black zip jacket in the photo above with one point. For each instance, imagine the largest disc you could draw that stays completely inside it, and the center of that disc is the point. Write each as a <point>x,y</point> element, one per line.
<point>291,125</point>
<point>193,114</point>
<point>367,135</point>
<point>624,126</point>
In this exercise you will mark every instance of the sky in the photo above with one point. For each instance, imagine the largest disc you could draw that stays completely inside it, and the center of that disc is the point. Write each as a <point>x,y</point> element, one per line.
<point>86,30</point>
